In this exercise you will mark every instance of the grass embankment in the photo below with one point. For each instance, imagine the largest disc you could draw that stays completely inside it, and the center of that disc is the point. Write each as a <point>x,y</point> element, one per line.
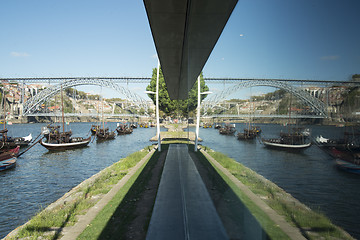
<point>312,224</point>
<point>50,221</point>
<point>114,221</point>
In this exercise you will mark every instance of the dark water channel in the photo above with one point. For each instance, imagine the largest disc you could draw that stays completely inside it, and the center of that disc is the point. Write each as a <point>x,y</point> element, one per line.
<point>310,176</point>
<point>41,177</point>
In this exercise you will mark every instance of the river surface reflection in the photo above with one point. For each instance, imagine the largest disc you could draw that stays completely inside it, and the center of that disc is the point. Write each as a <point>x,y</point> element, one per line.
<point>41,177</point>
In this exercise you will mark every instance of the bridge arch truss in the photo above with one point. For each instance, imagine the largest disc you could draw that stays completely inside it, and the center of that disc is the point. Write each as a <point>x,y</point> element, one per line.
<point>318,106</point>
<point>31,104</point>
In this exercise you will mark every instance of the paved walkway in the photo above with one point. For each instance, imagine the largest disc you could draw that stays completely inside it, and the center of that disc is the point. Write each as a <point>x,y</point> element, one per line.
<point>183,208</point>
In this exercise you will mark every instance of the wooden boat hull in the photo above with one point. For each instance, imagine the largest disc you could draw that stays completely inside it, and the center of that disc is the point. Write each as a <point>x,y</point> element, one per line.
<point>123,129</point>
<point>347,166</point>
<point>23,141</point>
<point>228,129</point>
<point>5,146</point>
<point>65,146</point>
<point>123,132</point>
<point>227,132</point>
<point>9,154</point>
<point>8,164</point>
<point>94,129</point>
<point>279,145</point>
<point>242,136</point>
<point>101,137</point>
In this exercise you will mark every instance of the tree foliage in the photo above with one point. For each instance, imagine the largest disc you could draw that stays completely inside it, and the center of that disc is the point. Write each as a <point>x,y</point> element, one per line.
<point>175,107</point>
<point>355,77</point>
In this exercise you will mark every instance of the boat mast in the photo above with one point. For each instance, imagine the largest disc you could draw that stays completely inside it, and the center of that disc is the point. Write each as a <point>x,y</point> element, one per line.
<point>102,113</point>
<point>62,109</point>
<point>98,112</point>
<point>4,108</point>
<point>289,112</point>
<point>249,116</point>
<point>292,136</point>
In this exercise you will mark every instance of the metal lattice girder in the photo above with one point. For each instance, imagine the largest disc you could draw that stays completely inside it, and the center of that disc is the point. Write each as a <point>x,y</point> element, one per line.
<point>317,105</point>
<point>30,104</point>
<point>62,79</point>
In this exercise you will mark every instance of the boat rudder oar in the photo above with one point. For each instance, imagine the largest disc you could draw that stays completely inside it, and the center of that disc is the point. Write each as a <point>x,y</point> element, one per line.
<point>36,138</point>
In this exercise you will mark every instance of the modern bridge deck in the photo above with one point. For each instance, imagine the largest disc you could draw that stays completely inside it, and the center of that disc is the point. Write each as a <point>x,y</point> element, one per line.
<point>183,207</point>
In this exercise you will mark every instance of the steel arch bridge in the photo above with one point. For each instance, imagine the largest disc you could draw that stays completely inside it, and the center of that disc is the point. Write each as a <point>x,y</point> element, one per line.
<point>318,106</point>
<point>31,104</point>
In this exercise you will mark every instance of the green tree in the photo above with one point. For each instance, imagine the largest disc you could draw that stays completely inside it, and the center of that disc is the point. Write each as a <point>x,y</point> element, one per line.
<point>175,107</point>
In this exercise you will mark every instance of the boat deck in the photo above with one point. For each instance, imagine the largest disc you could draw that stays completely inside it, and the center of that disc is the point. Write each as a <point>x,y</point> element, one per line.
<point>183,207</point>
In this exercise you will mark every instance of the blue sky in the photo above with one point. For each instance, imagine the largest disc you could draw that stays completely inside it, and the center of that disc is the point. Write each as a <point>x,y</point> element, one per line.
<point>307,39</point>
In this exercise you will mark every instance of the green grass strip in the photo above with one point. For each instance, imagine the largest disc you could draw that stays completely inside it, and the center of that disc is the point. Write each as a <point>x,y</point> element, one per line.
<point>273,230</point>
<point>45,224</point>
<point>313,224</point>
<point>99,224</point>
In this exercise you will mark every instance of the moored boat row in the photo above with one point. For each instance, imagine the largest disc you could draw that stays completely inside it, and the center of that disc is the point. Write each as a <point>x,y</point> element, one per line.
<point>9,147</point>
<point>345,151</point>
<point>53,138</point>
<point>56,140</point>
<point>295,139</point>
<point>228,129</point>
<point>7,164</point>
<point>249,133</point>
